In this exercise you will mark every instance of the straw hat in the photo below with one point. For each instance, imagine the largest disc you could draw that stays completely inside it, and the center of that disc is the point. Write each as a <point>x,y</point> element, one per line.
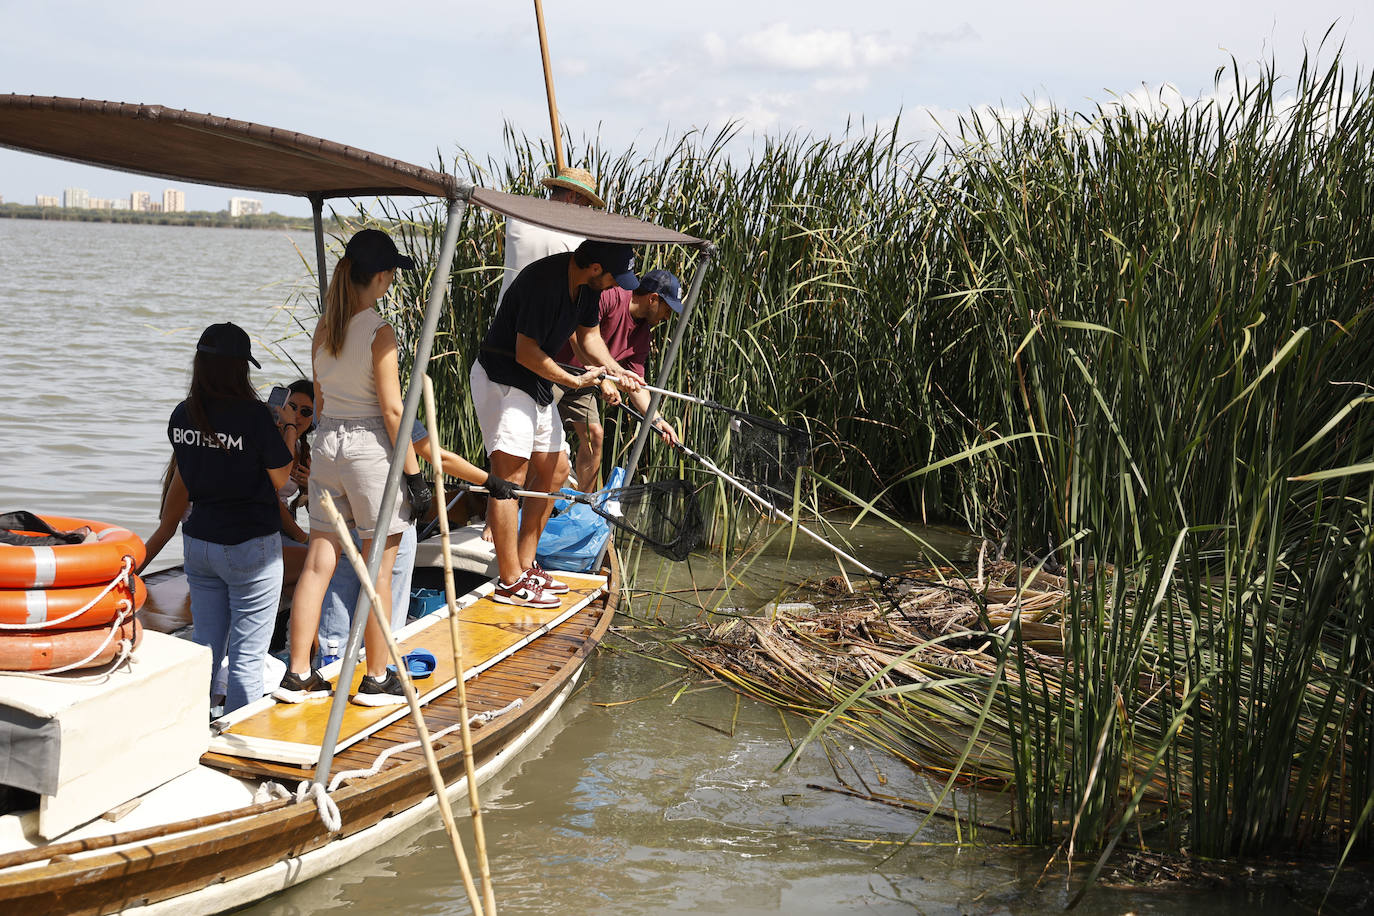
<point>579,180</point>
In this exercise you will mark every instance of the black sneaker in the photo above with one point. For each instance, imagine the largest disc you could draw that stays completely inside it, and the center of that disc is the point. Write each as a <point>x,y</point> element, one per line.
<point>296,689</point>
<point>372,692</point>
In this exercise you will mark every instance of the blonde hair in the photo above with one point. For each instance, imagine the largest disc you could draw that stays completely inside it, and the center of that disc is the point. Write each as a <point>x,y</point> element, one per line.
<point>340,301</point>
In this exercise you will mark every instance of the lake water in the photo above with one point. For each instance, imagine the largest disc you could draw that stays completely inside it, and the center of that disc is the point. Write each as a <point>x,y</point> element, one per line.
<point>641,798</point>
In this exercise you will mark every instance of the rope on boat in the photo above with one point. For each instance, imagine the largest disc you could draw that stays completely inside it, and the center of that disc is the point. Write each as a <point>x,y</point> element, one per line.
<point>328,810</point>
<point>480,718</point>
<point>125,605</point>
<point>126,650</point>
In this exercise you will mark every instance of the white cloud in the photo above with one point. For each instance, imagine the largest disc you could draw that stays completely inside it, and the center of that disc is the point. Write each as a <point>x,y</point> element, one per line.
<point>856,83</point>
<point>764,109</point>
<point>714,47</point>
<point>779,46</point>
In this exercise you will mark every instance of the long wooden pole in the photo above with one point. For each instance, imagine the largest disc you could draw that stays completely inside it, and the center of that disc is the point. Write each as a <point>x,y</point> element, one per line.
<point>459,667</point>
<point>417,714</point>
<point>558,160</point>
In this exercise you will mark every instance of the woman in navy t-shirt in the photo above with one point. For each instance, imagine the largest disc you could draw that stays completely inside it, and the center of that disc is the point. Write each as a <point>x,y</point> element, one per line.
<point>232,458</point>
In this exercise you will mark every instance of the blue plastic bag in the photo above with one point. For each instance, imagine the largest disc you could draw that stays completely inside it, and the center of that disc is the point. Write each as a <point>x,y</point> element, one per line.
<point>573,539</point>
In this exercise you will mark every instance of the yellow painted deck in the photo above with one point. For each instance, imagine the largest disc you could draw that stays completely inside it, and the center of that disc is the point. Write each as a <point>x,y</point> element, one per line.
<point>490,631</point>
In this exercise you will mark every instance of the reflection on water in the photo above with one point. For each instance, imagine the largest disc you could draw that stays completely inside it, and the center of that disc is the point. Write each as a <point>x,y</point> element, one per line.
<point>642,798</point>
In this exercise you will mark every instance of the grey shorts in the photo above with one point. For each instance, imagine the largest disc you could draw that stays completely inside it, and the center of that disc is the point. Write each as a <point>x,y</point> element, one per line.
<point>578,406</point>
<point>350,460</point>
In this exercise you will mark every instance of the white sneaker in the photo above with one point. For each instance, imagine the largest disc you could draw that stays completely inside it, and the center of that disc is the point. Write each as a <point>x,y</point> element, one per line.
<point>547,583</point>
<point>525,592</point>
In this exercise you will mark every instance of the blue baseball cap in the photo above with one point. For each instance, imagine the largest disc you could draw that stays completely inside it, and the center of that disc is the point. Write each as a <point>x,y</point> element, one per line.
<point>667,286</point>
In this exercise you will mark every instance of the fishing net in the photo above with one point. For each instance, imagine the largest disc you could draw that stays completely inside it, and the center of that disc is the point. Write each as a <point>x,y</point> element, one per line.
<point>665,514</point>
<point>768,454</point>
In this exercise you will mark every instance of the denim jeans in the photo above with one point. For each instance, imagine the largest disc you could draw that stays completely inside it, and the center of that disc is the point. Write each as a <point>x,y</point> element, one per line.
<point>235,593</point>
<point>342,595</point>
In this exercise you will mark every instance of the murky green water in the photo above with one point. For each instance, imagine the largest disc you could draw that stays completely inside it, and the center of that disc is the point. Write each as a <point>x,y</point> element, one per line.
<point>641,798</point>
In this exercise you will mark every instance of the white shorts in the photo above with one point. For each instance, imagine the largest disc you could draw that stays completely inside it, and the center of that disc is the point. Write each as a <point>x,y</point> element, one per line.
<point>511,421</point>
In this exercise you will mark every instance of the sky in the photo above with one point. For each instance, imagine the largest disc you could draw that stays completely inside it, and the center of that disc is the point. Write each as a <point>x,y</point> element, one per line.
<point>416,79</point>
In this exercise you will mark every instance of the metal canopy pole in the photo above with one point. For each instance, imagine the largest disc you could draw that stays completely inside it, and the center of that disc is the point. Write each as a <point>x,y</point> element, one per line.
<point>665,368</point>
<point>317,211</point>
<point>433,307</point>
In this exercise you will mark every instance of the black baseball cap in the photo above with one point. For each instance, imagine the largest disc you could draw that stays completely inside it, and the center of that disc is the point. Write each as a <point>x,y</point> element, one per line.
<point>227,339</point>
<point>616,259</point>
<point>374,251</point>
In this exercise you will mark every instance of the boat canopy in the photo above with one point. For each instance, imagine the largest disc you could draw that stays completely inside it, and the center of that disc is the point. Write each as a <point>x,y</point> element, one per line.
<point>581,221</point>
<point>206,149</point>
<point>183,145</point>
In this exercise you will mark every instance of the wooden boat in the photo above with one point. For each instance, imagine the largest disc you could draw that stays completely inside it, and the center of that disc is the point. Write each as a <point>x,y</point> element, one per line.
<point>235,853</point>
<point>202,836</point>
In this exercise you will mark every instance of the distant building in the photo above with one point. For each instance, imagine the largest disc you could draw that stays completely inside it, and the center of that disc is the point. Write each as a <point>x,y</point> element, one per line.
<point>139,201</point>
<point>155,207</point>
<point>45,200</point>
<point>173,201</point>
<point>244,206</point>
<point>119,203</point>
<point>76,198</point>
<point>97,203</point>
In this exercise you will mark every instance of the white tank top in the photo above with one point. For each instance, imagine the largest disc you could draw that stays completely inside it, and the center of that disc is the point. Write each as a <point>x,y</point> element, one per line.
<point>346,381</point>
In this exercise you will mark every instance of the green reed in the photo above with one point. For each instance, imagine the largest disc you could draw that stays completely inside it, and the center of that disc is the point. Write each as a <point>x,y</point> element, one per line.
<point>1146,332</point>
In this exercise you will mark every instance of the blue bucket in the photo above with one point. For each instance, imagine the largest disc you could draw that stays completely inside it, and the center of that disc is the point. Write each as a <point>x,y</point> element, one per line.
<point>426,601</point>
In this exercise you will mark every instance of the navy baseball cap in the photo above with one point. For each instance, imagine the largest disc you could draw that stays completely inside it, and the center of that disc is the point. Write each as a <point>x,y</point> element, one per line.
<point>668,287</point>
<point>227,339</point>
<point>374,251</point>
<point>616,259</point>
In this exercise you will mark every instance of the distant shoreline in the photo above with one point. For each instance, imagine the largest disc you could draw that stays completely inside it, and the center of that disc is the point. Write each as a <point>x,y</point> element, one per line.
<point>220,219</point>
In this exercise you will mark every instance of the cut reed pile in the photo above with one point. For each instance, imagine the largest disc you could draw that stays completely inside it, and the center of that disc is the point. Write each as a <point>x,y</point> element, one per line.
<point>902,665</point>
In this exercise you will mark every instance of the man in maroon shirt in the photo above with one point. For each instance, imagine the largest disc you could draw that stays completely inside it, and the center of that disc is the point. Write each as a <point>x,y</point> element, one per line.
<point>627,322</point>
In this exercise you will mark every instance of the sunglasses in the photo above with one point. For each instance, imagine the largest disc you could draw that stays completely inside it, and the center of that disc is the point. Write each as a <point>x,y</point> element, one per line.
<point>303,411</point>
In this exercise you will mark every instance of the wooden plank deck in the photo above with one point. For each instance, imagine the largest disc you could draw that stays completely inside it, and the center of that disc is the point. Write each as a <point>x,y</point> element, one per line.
<point>505,645</point>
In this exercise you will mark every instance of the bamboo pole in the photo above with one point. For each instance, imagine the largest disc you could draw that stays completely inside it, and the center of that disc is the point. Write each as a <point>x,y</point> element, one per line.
<point>558,160</point>
<point>437,778</point>
<point>459,667</point>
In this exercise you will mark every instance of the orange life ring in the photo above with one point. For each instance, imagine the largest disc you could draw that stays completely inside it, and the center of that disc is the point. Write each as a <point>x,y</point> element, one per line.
<point>59,648</point>
<point>36,607</point>
<point>65,565</point>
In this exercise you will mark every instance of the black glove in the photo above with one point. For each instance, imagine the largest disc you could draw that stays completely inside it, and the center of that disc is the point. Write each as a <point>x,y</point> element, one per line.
<point>419,493</point>
<point>499,488</point>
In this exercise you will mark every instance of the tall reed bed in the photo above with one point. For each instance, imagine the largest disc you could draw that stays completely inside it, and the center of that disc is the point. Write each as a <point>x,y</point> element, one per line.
<point>1181,306</point>
<point>1144,335</point>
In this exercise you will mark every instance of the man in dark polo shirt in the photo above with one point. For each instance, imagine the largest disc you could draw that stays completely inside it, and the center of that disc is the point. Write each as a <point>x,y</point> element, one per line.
<point>627,323</point>
<point>552,300</point>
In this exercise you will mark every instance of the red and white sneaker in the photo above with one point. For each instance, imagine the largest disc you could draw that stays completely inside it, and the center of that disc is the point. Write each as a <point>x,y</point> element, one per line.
<point>548,583</point>
<point>524,592</point>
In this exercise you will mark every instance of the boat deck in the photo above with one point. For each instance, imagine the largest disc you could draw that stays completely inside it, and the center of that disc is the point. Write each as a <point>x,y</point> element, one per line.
<point>282,741</point>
